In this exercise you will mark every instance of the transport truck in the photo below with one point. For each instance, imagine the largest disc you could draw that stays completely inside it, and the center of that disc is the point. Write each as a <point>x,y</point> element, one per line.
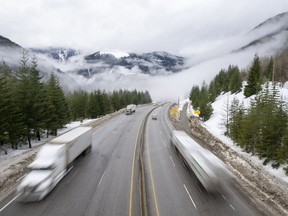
<point>211,172</point>
<point>130,109</point>
<point>52,163</point>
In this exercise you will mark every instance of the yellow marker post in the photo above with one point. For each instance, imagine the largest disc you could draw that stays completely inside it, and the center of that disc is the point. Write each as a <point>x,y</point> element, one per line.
<point>197,112</point>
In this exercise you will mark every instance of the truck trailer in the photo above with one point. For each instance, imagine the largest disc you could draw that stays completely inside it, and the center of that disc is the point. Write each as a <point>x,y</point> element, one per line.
<point>130,109</point>
<point>52,163</point>
<point>211,172</point>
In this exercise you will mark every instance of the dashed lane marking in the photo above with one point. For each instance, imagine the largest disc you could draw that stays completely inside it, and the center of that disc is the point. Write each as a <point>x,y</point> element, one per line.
<point>190,196</point>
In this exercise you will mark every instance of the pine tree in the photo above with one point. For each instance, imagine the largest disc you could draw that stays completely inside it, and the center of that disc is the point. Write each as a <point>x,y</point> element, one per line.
<point>78,103</point>
<point>94,107</point>
<point>235,80</point>
<point>107,102</point>
<point>11,125</point>
<point>269,70</point>
<point>194,97</point>
<point>115,101</point>
<point>254,78</point>
<point>58,104</point>
<point>282,151</point>
<point>250,129</point>
<point>37,97</point>
<point>236,116</point>
<point>212,91</point>
<point>26,95</point>
<point>205,104</point>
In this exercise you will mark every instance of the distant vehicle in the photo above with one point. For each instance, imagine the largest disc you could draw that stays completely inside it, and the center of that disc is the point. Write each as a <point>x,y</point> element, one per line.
<point>154,116</point>
<point>154,103</point>
<point>130,109</point>
<point>209,169</point>
<point>53,162</point>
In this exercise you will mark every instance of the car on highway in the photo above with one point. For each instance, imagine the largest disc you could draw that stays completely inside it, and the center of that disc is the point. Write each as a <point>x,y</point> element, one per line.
<point>154,117</point>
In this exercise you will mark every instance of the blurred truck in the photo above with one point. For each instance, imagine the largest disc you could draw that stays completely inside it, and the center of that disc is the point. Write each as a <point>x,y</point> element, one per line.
<point>130,109</point>
<point>53,161</point>
<point>211,172</point>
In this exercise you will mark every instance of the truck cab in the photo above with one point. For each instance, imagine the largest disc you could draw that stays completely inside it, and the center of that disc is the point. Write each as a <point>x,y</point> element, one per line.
<point>47,170</point>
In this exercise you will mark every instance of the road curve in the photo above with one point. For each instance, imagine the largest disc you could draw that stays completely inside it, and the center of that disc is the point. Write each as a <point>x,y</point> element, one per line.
<point>172,189</point>
<point>102,183</point>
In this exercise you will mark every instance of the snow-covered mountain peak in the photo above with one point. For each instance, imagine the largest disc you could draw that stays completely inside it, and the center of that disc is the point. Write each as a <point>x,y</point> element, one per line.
<point>116,54</point>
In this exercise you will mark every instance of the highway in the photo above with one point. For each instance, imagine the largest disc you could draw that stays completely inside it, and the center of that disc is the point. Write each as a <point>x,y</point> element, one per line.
<point>172,189</point>
<point>106,181</point>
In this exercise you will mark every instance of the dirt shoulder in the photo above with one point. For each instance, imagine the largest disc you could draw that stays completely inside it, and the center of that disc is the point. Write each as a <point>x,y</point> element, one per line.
<point>267,192</point>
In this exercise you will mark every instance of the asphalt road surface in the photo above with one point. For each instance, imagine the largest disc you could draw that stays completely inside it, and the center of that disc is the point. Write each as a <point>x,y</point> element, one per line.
<point>172,189</point>
<point>102,183</point>
<point>106,181</point>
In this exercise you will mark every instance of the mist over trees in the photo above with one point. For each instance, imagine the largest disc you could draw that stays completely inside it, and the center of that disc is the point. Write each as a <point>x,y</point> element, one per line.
<point>261,129</point>
<point>30,107</point>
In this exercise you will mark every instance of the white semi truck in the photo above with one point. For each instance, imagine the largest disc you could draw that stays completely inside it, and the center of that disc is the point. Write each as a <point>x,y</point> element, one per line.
<point>130,109</point>
<point>53,161</point>
<point>209,169</point>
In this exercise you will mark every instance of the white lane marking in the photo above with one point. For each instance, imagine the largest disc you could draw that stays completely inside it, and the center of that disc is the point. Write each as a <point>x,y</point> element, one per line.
<point>172,161</point>
<point>72,176</point>
<point>101,179</point>
<point>9,202</point>
<point>228,202</point>
<point>164,143</point>
<point>189,196</point>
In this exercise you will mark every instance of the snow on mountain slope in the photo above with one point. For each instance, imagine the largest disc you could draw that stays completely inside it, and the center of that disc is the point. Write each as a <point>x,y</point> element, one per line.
<point>215,125</point>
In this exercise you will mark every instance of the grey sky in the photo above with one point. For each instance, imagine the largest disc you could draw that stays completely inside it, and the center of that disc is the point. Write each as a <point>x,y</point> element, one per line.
<point>176,26</point>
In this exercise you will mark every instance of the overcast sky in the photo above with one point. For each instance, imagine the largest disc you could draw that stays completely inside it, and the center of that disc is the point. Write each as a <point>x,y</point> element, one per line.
<point>176,26</point>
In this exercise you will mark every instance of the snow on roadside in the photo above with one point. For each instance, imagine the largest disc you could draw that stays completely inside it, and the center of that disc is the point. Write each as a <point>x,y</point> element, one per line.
<point>215,125</point>
<point>24,147</point>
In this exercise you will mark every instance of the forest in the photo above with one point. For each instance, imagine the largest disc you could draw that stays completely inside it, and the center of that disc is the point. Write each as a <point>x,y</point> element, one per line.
<point>31,108</point>
<point>261,129</point>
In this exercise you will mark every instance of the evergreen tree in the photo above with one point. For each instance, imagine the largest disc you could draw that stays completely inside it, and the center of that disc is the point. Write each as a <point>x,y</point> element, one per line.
<point>107,102</point>
<point>273,123</point>
<point>236,116</point>
<point>115,101</point>
<point>28,93</point>
<point>79,104</point>
<point>11,125</point>
<point>269,70</point>
<point>221,82</point>
<point>57,104</point>
<point>94,107</point>
<point>282,151</point>
<point>212,91</point>
<point>249,131</point>
<point>101,104</point>
<point>147,97</point>
<point>254,78</point>
<point>194,97</point>
<point>37,98</point>
<point>206,109</point>
<point>235,80</point>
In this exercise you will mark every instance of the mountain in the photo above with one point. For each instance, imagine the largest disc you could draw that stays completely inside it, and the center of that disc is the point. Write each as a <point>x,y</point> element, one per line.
<point>57,53</point>
<point>6,43</point>
<point>73,61</point>
<point>151,70</point>
<point>269,31</point>
<point>148,63</point>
